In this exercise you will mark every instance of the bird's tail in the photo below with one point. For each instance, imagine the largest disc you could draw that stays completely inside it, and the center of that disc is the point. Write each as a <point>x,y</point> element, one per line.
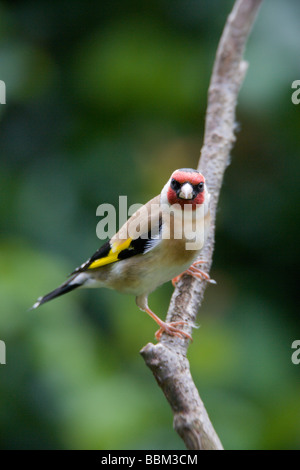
<point>73,283</point>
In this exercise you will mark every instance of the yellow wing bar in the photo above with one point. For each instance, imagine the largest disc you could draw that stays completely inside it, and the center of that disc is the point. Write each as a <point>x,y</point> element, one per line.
<point>112,255</point>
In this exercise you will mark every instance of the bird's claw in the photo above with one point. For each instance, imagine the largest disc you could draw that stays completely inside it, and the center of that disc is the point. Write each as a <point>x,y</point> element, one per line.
<point>170,329</point>
<point>194,271</point>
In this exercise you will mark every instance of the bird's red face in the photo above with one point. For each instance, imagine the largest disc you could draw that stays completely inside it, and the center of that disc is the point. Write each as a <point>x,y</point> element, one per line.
<point>187,186</point>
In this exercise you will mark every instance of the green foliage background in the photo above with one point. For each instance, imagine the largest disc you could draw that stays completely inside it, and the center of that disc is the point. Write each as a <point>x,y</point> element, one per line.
<point>107,99</point>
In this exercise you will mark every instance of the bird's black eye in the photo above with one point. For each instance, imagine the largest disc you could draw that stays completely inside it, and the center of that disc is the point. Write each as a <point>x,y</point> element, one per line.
<point>175,185</point>
<point>200,187</point>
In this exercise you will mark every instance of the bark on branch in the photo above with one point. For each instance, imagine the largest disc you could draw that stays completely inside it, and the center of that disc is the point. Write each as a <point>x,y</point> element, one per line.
<point>167,359</point>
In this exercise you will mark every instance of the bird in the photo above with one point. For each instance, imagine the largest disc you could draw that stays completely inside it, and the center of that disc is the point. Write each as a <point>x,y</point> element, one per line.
<point>159,243</point>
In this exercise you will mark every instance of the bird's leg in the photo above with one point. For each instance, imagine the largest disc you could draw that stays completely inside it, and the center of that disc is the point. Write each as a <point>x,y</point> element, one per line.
<point>164,327</point>
<point>194,271</point>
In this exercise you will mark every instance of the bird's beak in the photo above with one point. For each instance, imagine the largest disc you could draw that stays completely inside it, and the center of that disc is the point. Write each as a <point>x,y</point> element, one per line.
<point>186,191</point>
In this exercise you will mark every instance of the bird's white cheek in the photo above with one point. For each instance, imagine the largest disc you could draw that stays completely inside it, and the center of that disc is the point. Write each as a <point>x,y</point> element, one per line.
<point>206,201</point>
<point>164,194</point>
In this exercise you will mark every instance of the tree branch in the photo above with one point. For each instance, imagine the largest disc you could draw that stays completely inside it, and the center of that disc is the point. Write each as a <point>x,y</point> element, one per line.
<point>167,359</point>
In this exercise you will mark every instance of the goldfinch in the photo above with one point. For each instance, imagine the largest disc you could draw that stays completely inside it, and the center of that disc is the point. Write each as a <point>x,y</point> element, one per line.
<point>160,242</point>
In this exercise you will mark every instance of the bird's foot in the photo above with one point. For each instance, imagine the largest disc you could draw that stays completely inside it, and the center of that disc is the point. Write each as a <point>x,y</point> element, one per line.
<point>170,329</point>
<point>194,271</point>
